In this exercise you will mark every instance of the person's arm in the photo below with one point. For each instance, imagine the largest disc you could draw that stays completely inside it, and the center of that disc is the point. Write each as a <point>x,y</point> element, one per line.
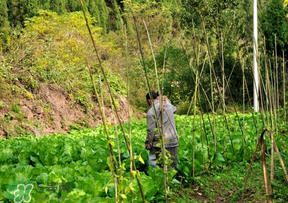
<point>165,99</point>
<point>150,131</point>
<point>174,108</point>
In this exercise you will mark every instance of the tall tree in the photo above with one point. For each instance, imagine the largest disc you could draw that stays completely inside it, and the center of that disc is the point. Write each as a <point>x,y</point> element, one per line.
<point>3,14</point>
<point>74,5</point>
<point>18,10</point>
<point>4,24</point>
<point>59,6</point>
<point>274,22</point>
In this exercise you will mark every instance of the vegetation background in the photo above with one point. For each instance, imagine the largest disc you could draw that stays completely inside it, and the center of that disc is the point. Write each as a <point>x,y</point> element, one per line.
<point>46,42</point>
<point>200,52</point>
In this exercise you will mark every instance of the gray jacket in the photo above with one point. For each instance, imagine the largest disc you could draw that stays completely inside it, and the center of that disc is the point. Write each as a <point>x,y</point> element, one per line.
<point>169,128</point>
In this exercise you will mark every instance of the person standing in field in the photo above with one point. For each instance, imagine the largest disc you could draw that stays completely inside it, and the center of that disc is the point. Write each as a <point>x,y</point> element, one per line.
<point>152,142</point>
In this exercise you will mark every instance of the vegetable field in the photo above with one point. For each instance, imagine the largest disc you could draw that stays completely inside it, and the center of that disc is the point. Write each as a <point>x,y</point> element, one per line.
<point>75,167</point>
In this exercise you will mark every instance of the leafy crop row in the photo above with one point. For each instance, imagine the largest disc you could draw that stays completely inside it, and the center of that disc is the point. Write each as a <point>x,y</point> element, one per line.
<point>80,158</point>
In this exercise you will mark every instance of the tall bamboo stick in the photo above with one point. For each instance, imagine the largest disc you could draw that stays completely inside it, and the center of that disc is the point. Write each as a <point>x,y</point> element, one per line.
<point>129,111</point>
<point>195,103</point>
<point>112,98</point>
<point>161,114</point>
<point>276,67</point>
<point>103,117</point>
<point>284,84</point>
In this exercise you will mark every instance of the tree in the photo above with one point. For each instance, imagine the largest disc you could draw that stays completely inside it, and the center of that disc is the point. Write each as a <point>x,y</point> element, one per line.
<point>4,24</point>
<point>274,23</point>
<point>18,10</point>
<point>74,5</point>
<point>58,6</point>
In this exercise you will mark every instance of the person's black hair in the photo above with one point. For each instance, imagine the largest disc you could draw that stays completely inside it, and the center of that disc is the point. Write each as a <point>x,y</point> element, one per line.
<point>153,94</point>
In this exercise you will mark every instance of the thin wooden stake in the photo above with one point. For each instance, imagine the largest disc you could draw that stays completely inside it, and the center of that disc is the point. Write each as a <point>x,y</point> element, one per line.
<point>112,98</point>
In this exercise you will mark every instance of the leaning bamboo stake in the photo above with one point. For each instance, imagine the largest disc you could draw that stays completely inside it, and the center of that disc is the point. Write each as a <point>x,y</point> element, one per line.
<point>112,98</point>
<point>103,117</point>
<point>274,147</point>
<point>192,100</point>
<point>249,99</point>
<point>161,115</point>
<point>164,65</point>
<point>223,71</point>
<point>211,105</point>
<point>284,84</point>
<point>276,67</point>
<point>264,165</point>
<point>275,97</point>
<point>213,69</point>
<point>261,143</point>
<point>269,85</point>
<point>193,148</point>
<point>243,95</point>
<point>206,137</point>
<point>249,170</point>
<point>281,162</point>
<point>266,86</point>
<point>202,137</point>
<point>230,136</point>
<point>261,95</point>
<point>129,111</point>
<point>272,162</point>
<point>279,156</point>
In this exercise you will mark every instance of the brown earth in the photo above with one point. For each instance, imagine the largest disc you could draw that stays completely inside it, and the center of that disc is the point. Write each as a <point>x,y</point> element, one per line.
<point>53,110</point>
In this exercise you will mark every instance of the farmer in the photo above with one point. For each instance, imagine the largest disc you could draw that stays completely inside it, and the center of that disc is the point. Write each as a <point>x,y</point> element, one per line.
<point>169,129</point>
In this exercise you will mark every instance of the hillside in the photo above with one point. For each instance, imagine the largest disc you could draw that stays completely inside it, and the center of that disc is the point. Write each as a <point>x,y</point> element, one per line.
<point>45,86</point>
<point>52,110</point>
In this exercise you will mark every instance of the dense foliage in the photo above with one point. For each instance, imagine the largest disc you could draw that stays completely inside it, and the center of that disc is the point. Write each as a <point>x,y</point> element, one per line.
<point>191,34</point>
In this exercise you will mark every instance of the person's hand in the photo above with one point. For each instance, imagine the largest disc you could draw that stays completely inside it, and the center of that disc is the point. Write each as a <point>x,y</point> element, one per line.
<point>148,146</point>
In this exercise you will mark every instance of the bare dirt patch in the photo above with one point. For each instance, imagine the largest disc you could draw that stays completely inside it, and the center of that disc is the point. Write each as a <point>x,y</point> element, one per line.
<point>53,110</point>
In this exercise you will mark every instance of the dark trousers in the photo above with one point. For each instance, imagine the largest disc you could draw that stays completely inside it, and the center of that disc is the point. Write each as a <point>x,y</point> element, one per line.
<point>174,155</point>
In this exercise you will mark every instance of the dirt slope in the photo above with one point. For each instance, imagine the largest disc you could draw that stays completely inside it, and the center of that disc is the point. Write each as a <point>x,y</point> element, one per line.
<point>51,110</point>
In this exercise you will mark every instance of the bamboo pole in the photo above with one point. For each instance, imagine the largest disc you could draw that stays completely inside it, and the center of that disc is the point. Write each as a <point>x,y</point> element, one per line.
<point>267,89</point>
<point>112,164</point>
<point>276,67</point>
<point>284,91</point>
<point>161,114</point>
<point>213,69</point>
<point>249,170</point>
<point>261,144</point>
<point>195,103</point>
<point>202,137</point>
<point>129,111</point>
<point>243,87</point>
<point>264,166</point>
<point>112,98</point>
<point>272,162</point>
<point>281,162</point>
<point>223,75</point>
<point>275,97</point>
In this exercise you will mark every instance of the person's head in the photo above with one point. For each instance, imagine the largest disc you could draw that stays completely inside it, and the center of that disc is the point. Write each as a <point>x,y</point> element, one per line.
<point>152,95</point>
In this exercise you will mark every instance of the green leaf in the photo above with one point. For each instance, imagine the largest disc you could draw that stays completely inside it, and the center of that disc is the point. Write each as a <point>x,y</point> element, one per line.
<point>218,159</point>
<point>141,159</point>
